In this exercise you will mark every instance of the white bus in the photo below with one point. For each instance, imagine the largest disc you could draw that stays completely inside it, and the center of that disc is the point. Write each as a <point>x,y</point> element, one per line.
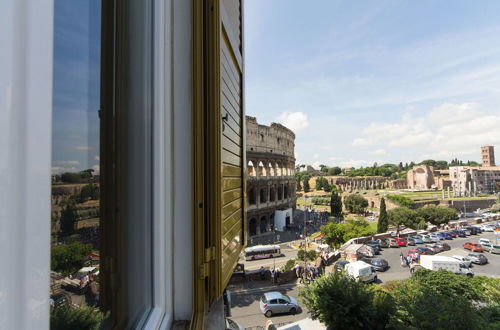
<point>262,252</point>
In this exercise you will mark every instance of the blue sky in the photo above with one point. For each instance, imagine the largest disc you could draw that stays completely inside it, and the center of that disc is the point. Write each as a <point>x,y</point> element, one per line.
<point>376,81</point>
<point>75,128</point>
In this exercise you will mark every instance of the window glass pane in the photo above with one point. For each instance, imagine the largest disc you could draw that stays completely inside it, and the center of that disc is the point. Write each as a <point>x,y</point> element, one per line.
<point>75,250</point>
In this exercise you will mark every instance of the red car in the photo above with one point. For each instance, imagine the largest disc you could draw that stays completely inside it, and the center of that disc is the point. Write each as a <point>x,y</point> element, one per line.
<point>401,241</point>
<point>452,234</point>
<point>474,247</point>
<point>411,253</point>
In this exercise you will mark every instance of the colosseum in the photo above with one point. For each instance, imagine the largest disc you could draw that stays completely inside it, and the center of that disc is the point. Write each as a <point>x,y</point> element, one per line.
<point>270,181</point>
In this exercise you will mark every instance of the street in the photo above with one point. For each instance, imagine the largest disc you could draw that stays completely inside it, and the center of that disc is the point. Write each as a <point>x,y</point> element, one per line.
<point>245,305</point>
<point>396,272</point>
<point>245,298</point>
<point>288,253</point>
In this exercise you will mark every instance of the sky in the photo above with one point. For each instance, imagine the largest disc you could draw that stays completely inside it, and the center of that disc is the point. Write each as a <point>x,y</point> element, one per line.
<point>75,126</point>
<point>376,81</point>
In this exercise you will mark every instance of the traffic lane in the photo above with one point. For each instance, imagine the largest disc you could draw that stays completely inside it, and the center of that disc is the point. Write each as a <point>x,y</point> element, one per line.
<point>246,310</point>
<point>396,272</point>
<point>270,263</point>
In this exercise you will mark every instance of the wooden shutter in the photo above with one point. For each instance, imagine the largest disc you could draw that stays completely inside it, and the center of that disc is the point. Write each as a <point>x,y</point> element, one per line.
<point>226,99</point>
<point>219,152</point>
<point>229,80</point>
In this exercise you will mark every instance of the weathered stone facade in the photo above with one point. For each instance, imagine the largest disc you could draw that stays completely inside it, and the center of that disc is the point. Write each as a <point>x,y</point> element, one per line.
<point>271,184</point>
<point>420,177</point>
<point>488,156</point>
<point>469,181</point>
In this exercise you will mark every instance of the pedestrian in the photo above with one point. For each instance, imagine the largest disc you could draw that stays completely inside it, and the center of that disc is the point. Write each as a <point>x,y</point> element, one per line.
<point>273,274</point>
<point>297,270</point>
<point>262,273</point>
<point>408,261</point>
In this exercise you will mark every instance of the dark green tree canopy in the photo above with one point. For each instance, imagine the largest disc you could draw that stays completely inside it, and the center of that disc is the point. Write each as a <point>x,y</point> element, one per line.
<point>356,203</point>
<point>383,219</point>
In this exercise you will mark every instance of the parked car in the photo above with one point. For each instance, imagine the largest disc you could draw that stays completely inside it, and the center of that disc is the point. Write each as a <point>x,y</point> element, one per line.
<point>460,233</point>
<point>495,249</point>
<point>441,236</point>
<point>447,263</point>
<point>466,231</point>
<point>478,258</point>
<point>426,239</point>
<point>473,230</point>
<point>59,299</point>
<point>232,325</point>
<point>401,241</point>
<point>488,228</point>
<point>444,246</point>
<point>452,234</point>
<point>275,303</point>
<point>413,252</point>
<point>374,245</point>
<point>474,247</point>
<point>486,246</point>
<point>434,238</point>
<point>340,265</point>
<point>447,236</point>
<point>410,241</point>
<point>392,242</point>
<point>465,260</point>
<point>424,250</point>
<point>484,240</point>
<point>418,239</point>
<point>383,243</point>
<point>478,228</point>
<point>434,248</point>
<point>378,264</point>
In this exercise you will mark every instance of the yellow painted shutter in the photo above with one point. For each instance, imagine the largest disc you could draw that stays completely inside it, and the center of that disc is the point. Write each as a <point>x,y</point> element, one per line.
<point>232,213</point>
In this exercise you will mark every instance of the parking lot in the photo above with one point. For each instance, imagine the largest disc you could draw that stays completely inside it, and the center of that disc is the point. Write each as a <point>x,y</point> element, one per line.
<point>396,272</point>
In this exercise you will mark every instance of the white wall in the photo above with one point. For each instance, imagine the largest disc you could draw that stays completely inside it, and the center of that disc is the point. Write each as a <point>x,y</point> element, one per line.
<point>26,39</point>
<point>280,218</point>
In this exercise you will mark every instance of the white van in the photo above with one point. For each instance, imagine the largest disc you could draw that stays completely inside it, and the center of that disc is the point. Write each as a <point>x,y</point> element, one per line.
<point>484,241</point>
<point>361,272</point>
<point>495,249</point>
<point>445,263</point>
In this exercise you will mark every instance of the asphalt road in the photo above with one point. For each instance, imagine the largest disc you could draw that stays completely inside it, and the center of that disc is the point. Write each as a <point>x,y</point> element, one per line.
<point>396,272</point>
<point>245,306</point>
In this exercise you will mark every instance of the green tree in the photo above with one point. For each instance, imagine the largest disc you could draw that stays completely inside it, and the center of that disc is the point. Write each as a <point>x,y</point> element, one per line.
<point>402,200</point>
<point>334,170</point>
<point>306,184</point>
<point>77,318</point>
<point>321,182</point>
<point>339,302</point>
<point>336,205</point>
<point>356,228</point>
<point>383,220</point>
<point>68,217</point>
<point>437,215</point>
<point>67,259</point>
<point>356,203</point>
<point>402,217</point>
<point>334,233</point>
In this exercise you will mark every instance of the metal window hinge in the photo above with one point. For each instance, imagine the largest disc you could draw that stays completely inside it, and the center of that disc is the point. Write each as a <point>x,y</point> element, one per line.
<point>209,254</point>
<point>204,270</point>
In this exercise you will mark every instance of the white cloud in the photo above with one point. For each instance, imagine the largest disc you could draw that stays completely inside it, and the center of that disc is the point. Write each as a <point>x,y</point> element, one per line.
<point>67,162</point>
<point>62,169</point>
<point>96,158</point>
<point>447,131</point>
<point>97,169</point>
<point>296,121</point>
<point>359,142</point>
<point>315,156</point>
<point>379,152</point>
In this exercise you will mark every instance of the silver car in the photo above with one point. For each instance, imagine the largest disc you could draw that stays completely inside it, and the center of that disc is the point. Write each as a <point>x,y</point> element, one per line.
<point>275,303</point>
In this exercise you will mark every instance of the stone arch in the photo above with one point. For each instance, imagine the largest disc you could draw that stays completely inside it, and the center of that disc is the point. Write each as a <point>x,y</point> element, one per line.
<point>287,192</point>
<point>272,194</point>
<point>278,169</point>
<point>372,204</point>
<point>252,227</point>
<point>272,172</point>
<point>271,221</point>
<point>262,195</point>
<point>262,169</point>
<point>263,224</point>
<point>251,169</point>
<point>251,196</point>
<point>280,192</point>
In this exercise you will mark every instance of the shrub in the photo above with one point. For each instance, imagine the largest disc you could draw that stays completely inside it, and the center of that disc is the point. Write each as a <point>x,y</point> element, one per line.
<point>402,201</point>
<point>75,318</point>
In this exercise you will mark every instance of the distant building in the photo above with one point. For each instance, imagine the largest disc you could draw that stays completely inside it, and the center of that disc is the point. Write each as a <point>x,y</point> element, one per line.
<point>488,155</point>
<point>468,180</point>
<point>271,183</point>
<point>420,177</point>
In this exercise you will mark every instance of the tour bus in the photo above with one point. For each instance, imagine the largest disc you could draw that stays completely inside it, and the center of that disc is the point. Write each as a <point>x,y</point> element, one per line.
<point>262,252</point>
